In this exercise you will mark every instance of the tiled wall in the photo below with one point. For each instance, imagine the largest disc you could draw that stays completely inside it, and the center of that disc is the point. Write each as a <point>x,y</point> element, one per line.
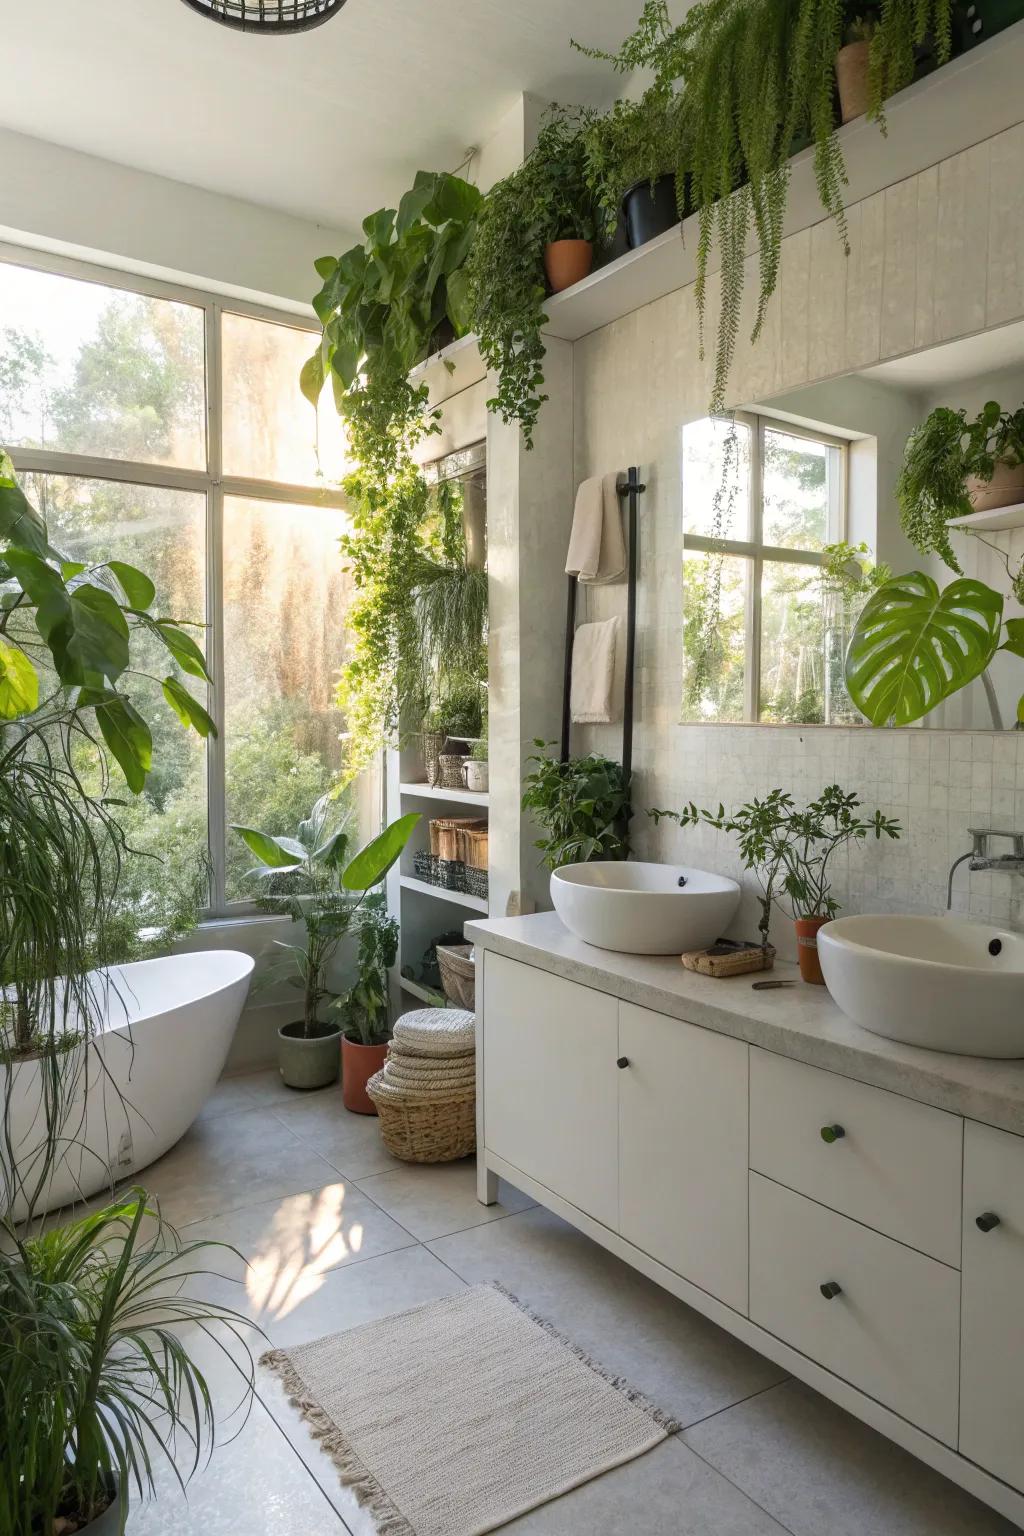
<point>933,258</point>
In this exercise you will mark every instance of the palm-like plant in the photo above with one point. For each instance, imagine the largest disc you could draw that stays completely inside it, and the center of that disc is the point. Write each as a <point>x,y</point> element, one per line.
<point>95,1379</point>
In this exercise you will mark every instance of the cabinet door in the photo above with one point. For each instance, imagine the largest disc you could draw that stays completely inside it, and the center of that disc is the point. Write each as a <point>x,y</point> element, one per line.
<point>550,1083</point>
<point>683,1150</point>
<point>992,1332</point>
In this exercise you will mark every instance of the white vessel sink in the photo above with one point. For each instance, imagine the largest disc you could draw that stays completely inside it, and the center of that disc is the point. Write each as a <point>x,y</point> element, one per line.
<point>644,909</point>
<point>939,982</point>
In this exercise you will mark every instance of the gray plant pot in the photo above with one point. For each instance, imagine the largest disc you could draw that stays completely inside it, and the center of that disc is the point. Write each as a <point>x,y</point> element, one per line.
<point>311,1063</point>
<point>111,1520</point>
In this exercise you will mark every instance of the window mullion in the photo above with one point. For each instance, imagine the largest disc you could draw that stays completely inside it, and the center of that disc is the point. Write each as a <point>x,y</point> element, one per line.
<point>216,806</point>
<point>753,678</point>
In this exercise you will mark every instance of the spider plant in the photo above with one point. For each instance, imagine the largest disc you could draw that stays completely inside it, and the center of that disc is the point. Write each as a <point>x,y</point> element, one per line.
<point>96,1381</point>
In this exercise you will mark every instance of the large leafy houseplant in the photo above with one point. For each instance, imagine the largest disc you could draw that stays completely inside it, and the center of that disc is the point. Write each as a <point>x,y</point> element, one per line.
<point>948,457</point>
<point>364,1009</point>
<point>384,306</point>
<point>582,804</point>
<point>96,1380</point>
<point>548,198</point>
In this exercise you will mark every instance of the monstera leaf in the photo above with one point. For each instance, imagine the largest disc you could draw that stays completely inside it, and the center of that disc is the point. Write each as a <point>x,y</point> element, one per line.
<point>915,646</point>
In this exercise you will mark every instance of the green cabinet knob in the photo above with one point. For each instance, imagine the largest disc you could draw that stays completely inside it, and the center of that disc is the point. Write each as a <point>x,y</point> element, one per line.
<point>831,1133</point>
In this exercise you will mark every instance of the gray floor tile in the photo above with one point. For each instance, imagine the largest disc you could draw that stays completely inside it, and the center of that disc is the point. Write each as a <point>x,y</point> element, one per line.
<point>822,1472</point>
<point>351,1143</point>
<point>434,1200</point>
<point>667,1492</point>
<point>231,1161</point>
<point>230,1095</point>
<point>684,1363</point>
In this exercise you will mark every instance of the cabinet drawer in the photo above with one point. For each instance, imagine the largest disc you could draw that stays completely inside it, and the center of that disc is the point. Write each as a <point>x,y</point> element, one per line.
<point>992,1365</point>
<point>896,1166</point>
<point>892,1330</point>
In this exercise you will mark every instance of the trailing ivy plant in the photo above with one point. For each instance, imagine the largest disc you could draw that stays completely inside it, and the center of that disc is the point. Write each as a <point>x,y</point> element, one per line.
<point>755,80</point>
<point>583,805</point>
<point>384,306</point>
<point>548,198</point>
<point>941,455</point>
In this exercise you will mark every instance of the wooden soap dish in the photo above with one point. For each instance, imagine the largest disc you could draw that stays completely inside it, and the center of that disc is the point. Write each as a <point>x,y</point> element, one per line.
<point>730,958</point>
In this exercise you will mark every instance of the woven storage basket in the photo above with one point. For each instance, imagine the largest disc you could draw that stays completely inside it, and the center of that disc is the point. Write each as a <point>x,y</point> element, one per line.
<point>432,741</point>
<point>458,974</point>
<point>450,770</point>
<point>425,866</point>
<point>445,841</point>
<point>434,1032</point>
<point>476,882</point>
<point>473,837</point>
<point>424,1130</point>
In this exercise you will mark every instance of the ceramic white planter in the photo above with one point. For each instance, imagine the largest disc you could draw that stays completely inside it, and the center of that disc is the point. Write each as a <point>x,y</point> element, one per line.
<point>474,774</point>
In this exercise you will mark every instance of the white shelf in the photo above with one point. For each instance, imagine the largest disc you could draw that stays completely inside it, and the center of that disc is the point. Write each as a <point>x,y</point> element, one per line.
<point>998,519</point>
<point>453,796</point>
<point>416,989</point>
<point>453,898</point>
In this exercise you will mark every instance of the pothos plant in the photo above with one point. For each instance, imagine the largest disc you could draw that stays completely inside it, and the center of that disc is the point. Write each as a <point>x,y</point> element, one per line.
<point>548,198</point>
<point>582,804</point>
<point>384,306</point>
<point>754,81</point>
<point>789,849</point>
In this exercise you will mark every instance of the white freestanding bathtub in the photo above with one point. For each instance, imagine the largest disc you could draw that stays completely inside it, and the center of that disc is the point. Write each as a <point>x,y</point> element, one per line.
<point>162,1030</point>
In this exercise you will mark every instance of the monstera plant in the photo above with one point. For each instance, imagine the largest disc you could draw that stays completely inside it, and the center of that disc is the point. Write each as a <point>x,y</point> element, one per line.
<point>916,645</point>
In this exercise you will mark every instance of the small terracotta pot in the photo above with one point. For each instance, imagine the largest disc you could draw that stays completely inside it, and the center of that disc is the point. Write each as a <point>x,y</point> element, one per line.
<point>567,262</point>
<point>358,1064</point>
<point>1005,489</point>
<point>852,79</point>
<point>807,948</point>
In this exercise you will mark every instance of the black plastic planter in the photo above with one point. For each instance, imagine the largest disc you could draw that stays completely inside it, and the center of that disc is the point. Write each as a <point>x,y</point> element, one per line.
<point>649,210</point>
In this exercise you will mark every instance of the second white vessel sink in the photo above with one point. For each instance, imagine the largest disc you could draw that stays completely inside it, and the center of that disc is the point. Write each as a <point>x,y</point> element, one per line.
<point>644,909</point>
<point>939,982</point>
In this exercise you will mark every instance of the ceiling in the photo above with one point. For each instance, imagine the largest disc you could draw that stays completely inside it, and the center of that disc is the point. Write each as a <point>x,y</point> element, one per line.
<point>971,357</point>
<point>327,125</point>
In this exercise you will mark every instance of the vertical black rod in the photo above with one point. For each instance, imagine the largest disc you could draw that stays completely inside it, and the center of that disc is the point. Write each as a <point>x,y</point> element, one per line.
<point>570,631</point>
<point>632,488</point>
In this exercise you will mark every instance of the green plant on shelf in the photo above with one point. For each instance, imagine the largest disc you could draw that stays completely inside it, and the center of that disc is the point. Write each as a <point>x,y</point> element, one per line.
<point>634,142</point>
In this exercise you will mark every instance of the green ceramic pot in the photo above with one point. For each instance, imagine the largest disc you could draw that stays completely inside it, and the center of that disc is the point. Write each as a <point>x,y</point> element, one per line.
<point>312,1063</point>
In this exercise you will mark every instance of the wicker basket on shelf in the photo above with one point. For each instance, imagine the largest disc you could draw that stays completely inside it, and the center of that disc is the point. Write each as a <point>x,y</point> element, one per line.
<point>450,770</point>
<point>458,974</point>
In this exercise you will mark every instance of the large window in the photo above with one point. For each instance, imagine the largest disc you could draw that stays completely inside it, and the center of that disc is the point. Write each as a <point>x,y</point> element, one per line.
<point>761,501</point>
<point>166,428</point>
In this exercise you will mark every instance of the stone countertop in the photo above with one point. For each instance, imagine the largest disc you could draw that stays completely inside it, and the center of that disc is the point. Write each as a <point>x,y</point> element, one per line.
<point>800,1021</point>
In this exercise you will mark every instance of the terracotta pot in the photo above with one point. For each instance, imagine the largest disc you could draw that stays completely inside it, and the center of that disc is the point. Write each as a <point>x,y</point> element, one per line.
<point>807,948</point>
<point>852,79</point>
<point>358,1064</point>
<point>1005,489</point>
<point>566,262</point>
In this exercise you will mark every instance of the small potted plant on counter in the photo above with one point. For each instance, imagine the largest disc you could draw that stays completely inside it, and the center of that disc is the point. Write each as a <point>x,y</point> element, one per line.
<point>953,467</point>
<point>308,881</point>
<point>364,1010</point>
<point>583,806</point>
<point>788,850</point>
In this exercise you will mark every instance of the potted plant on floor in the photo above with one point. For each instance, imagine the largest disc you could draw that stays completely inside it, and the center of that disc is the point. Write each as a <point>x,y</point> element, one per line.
<point>954,466</point>
<point>583,806</point>
<point>308,881</point>
<point>539,222</point>
<point>96,1376</point>
<point>789,850</point>
<point>364,1011</point>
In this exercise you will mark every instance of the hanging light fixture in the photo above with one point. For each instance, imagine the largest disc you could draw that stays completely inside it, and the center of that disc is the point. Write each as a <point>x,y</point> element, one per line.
<point>268,16</point>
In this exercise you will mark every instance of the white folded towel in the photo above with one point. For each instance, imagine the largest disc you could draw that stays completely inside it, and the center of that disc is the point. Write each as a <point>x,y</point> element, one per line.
<point>597,550</point>
<point>593,672</point>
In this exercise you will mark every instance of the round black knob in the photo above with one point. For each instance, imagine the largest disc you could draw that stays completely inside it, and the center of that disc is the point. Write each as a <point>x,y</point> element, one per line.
<point>831,1133</point>
<point>623,1061</point>
<point>986,1221</point>
<point>830,1289</point>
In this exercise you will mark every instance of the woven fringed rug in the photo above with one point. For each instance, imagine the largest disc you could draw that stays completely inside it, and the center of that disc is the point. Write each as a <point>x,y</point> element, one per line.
<point>456,1417</point>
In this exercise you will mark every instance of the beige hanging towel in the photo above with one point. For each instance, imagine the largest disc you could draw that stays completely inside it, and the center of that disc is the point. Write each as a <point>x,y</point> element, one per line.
<point>597,549</point>
<point>593,672</point>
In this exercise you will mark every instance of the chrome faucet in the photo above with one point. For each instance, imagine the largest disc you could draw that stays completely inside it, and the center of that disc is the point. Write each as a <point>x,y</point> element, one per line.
<point>980,858</point>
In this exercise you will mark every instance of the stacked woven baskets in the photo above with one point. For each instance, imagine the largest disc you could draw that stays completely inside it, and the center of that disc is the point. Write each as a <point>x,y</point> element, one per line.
<point>426,1091</point>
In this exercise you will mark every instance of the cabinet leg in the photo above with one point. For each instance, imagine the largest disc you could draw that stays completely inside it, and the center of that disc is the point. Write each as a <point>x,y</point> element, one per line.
<point>486,1182</point>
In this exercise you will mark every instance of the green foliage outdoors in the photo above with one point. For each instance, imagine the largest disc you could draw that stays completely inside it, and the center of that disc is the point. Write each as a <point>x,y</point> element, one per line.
<point>789,849</point>
<point>583,806</point>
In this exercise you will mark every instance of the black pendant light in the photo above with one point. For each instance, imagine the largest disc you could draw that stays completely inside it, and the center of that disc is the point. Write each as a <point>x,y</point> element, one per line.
<point>268,16</point>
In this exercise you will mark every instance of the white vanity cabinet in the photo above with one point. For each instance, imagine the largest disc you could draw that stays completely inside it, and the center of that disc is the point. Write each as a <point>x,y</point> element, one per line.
<point>992,1332</point>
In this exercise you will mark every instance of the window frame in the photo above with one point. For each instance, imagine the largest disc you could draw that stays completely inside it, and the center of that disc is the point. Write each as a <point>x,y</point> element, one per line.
<point>210,482</point>
<point>756,551</point>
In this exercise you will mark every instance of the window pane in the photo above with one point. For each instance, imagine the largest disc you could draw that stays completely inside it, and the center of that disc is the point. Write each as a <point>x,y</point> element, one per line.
<point>716,478</point>
<point>90,369</point>
<point>714,635</point>
<point>163,533</point>
<point>792,644</point>
<point>801,489</point>
<point>285,598</point>
<point>271,431</point>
